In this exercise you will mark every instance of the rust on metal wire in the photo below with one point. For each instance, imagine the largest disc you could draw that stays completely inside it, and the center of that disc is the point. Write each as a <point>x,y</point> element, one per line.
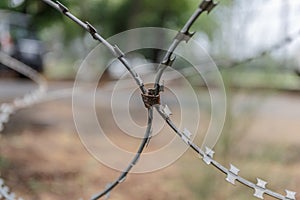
<point>150,99</point>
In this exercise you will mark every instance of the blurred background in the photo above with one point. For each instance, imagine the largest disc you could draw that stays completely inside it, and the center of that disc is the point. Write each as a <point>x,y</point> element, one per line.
<point>41,156</point>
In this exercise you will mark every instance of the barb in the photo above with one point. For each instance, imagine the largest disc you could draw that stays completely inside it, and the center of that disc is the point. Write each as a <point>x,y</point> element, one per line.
<point>114,49</point>
<point>183,35</point>
<point>134,161</point>
<point>232,173</point>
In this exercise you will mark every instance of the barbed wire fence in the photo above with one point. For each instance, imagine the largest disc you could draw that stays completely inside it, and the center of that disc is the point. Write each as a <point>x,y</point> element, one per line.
<point>150,97</point>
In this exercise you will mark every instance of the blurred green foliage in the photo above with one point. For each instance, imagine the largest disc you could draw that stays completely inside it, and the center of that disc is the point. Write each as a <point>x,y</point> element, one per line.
<point>110,17</point>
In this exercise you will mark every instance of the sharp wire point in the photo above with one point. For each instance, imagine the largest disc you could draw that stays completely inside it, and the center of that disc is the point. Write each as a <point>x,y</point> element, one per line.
<point>208,5</point>
<point>261,183</point>
<point>185,139</point>
<point>184,36</point>
<point>187,133</point>
<point>232,174</point>
<point>260,188</point>
<point>209,152</point>
<point>290,195</point>
<point>208,156</point>
<point>167,110</point>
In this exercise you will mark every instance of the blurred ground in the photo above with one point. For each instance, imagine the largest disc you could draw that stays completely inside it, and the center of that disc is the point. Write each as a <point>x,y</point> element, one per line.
<point>41,156</point>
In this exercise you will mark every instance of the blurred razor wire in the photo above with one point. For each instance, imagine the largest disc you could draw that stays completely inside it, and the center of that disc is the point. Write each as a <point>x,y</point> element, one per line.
<point>9,108</point>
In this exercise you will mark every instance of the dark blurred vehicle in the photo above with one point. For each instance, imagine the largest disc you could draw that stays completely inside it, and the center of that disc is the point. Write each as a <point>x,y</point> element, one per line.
<point>19,40</point>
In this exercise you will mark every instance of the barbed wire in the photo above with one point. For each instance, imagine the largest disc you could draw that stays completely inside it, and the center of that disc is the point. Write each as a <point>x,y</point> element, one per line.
<point>151,99</point>
<point>134,161</point>
<point>118,54</point>
<point>183,35</point>
<point>207,156</point>
<point>114,49</point>
<point>232,173</point>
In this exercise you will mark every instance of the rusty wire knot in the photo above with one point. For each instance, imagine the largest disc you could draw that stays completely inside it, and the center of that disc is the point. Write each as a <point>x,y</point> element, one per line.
<point>152,98</point>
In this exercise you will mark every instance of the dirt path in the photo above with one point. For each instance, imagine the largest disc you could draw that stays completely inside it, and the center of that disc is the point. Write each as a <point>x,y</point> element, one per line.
<point>42,156</point>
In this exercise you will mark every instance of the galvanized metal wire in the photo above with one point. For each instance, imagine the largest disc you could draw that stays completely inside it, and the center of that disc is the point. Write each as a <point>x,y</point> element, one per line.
<point>183,35</point>
<point>232,172</point>
<point>150,99</point>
